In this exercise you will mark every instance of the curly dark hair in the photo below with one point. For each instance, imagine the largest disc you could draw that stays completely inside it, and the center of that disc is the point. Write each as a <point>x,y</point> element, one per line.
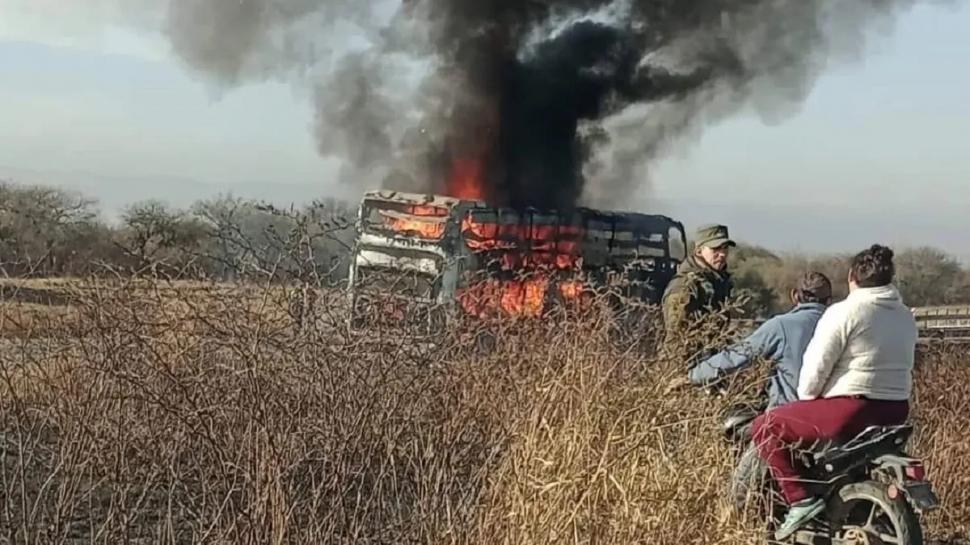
<point>814,287</point>
<point>873,267</point>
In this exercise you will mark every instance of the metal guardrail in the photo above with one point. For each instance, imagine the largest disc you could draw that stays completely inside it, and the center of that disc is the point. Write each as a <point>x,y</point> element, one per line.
<point>944,323</point>
<point>935,324</point>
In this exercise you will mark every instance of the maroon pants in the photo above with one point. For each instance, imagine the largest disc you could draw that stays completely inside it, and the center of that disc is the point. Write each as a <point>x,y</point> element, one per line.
<point>836,418</point>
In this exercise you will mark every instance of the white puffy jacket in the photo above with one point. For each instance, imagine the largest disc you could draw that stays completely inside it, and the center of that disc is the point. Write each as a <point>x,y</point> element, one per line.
<point>862,346</point>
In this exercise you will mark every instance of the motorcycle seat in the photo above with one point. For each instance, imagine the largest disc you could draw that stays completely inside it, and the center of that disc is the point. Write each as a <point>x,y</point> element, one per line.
<point>872,442</point>
<point>736,424</point>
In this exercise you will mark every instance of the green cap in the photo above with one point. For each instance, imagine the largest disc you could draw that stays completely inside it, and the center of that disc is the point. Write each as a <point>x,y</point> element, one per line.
<point>712,236</point>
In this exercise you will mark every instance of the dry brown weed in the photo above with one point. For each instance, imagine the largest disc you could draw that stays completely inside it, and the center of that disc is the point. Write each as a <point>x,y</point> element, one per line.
<point>231,415</point>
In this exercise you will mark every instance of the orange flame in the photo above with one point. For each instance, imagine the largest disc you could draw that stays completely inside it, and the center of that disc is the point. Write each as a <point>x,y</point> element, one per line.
<point>467,179</point>
<point>551,246</point>
<point>539,249</point>
<point>516,297</point>
<point>571,290</point>
<point>416,225</point>
<point>526,297</point>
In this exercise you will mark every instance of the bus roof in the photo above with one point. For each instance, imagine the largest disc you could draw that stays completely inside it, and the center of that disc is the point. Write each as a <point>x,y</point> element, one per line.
<point>426,199</point>
<point>482,209</point>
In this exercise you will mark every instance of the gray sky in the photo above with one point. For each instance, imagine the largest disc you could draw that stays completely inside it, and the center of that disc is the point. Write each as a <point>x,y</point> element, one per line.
<point>879,152</point>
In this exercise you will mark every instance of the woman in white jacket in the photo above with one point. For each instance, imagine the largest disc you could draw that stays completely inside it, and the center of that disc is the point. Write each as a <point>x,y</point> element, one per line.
<point>856,372</point>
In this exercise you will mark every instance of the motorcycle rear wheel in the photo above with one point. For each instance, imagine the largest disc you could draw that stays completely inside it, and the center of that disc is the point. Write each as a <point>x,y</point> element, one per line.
<point>750,480</point>
<point>864,513</point>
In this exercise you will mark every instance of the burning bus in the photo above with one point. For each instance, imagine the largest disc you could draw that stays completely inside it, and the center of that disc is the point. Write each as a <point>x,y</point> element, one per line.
<point>426,257</point>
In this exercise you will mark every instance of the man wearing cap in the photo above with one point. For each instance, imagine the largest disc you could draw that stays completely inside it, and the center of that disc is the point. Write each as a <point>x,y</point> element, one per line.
<point>782,340</point>
<point>702,284</point>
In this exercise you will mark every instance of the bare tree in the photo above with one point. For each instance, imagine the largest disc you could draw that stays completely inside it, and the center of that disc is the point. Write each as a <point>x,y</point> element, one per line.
<point>252,238</point>
<point>41,226</point>
<point>928,276</point>
<point>156,233</point>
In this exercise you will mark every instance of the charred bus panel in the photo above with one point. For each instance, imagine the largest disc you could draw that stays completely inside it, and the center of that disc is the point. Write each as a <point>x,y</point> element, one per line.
<point>415,252</point>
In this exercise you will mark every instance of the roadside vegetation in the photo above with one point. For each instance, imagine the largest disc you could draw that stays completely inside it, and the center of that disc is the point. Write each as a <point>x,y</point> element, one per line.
<point>52,233</point>
<point>146,409</point>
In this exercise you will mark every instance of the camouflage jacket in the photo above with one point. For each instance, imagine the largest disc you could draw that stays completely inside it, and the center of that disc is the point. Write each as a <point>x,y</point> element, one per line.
<point>695,289</point>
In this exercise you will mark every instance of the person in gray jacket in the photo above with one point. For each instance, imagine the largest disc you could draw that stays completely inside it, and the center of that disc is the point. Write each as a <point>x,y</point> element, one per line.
<point>782,339</point>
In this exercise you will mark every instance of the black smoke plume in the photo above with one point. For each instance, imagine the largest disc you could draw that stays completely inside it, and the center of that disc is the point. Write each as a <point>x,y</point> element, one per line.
<point>562,101</point>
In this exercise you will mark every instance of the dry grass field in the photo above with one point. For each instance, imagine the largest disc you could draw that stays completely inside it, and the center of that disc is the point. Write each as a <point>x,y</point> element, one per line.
<point>145,412</point>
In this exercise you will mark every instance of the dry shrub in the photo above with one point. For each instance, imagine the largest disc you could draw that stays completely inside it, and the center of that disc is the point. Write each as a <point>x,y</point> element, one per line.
<point>22,319</point>
<point>221,414</point>
<point>942,409</point>
<point>28,307</point>
<point>214,419</point>
<point>603,454</point>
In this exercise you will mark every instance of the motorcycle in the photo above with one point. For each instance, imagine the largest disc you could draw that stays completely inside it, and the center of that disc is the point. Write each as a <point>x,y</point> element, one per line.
<point>875,492</point>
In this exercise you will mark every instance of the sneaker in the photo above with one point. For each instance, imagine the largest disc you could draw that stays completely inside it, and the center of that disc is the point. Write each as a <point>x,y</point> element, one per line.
<point>798,515</point>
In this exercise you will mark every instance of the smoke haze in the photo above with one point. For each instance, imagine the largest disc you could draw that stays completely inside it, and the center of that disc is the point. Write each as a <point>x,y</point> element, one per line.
<point>559,101</point>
